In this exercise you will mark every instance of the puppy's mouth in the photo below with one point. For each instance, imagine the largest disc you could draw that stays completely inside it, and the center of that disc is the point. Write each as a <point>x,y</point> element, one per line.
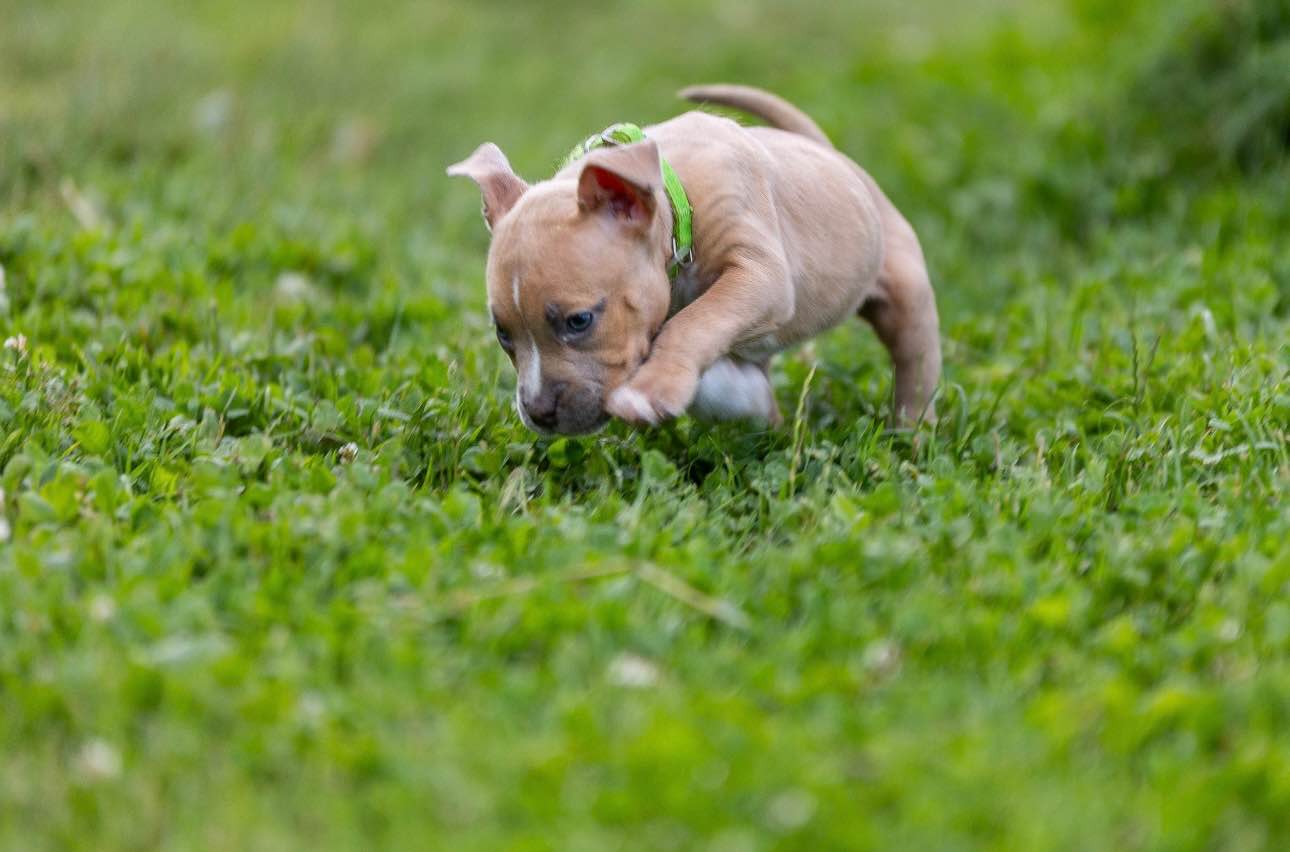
<point>598,423</point>
<point>582,419</point>
<point>570,431</point>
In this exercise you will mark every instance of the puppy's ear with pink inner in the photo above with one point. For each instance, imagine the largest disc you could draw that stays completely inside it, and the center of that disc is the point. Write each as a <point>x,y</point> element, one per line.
<point>498,184</point>
<point>622,182</point>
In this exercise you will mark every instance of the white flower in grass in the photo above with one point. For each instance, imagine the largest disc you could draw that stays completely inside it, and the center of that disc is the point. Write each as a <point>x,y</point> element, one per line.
<point>98,760</point>
<point>1229,630</point>
<point>293,286</point>
<point>348,453</point>
<point>212,114</point>
<point>102,608</point>
<point>791,809</point>
<point>17,343</point>
<point>632,671</point>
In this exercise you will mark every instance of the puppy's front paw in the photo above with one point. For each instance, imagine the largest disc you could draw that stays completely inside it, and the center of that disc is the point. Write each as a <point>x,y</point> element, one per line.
<point>654,394</point>
<point>631,406</point>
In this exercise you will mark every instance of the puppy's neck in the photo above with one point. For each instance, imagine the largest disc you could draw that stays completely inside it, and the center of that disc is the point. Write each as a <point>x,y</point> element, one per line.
<point>687,282</point>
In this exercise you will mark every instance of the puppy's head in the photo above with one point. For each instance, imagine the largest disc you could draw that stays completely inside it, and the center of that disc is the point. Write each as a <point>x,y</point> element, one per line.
<point>577,277</point>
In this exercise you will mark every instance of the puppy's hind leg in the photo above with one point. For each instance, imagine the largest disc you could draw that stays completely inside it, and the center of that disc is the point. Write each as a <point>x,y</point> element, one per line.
<point>903,313</point>
<point>734,389</point>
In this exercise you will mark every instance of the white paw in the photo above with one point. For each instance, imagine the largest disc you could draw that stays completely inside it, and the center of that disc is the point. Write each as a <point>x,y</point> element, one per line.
<point>734,390</point>
<point>629,404</point>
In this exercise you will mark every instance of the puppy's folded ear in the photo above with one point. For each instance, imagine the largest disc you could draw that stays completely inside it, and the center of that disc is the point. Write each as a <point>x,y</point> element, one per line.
<point>500,186</point>
<point>622,181</point>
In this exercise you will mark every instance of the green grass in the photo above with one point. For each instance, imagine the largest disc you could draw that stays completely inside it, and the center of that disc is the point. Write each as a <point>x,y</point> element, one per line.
<point>281,569</point>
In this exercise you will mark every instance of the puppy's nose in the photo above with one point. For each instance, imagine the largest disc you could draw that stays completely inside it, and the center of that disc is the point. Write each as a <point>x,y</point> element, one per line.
<point>542,408</point>
<point>544,419</point>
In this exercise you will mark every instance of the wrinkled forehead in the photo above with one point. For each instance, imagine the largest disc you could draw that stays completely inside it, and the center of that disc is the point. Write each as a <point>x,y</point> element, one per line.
<point>544,252</point>
<point>527,241</point>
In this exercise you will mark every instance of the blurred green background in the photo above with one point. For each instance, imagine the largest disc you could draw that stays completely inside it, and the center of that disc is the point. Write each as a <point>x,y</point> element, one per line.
<point>280,569</point>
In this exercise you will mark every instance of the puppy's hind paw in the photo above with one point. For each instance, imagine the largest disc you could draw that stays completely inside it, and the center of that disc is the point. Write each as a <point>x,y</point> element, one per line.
<point>735,390</point>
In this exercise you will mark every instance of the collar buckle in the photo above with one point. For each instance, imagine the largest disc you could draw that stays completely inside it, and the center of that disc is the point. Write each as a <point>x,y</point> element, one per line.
<point>681,259</point>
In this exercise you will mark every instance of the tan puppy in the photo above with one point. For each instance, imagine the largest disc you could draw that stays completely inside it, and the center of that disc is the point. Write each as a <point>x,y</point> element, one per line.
<point>790,239</point>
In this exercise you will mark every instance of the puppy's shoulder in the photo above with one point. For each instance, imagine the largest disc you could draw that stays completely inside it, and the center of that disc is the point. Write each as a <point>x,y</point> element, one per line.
<point>697,131</point>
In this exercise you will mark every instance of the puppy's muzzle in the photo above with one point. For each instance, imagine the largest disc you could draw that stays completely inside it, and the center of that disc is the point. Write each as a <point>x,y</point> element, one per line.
<point>568,409</point>
<point>543,409</point>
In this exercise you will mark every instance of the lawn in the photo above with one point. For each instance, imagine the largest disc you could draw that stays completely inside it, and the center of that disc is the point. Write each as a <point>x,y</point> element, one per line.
<point>280,568</point>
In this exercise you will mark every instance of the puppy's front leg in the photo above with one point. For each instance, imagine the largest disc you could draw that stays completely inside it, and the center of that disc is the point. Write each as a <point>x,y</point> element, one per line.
<point>747,301</point>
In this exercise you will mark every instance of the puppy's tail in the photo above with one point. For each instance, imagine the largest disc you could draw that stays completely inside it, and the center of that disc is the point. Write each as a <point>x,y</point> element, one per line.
<point>773,109</point>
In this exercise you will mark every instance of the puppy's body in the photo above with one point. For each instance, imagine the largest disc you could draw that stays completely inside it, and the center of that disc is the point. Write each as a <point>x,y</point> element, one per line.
<point>787,202</point>
<point>790,239</point>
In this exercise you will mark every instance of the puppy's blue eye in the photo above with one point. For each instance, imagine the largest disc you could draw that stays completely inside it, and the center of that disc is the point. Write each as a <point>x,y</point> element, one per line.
<point>504,338</point>
<point>579,322</point>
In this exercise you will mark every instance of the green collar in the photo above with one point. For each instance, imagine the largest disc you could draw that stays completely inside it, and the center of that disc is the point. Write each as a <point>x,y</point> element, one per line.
<point>682,213</point>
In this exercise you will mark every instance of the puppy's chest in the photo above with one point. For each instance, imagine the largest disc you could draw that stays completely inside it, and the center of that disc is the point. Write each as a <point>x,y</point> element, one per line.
<point>688,285</point>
